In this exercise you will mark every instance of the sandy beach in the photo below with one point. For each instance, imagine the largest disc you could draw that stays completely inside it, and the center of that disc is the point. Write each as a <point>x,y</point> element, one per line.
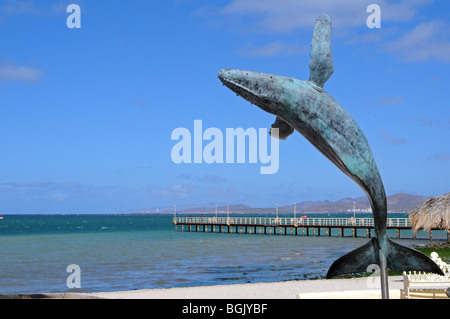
<point>320,289</point>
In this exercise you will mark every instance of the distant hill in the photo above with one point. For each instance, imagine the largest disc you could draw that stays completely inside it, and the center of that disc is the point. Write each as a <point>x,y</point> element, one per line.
<point>220,209</point>
<point>396,203</point>
<point>405,202</point>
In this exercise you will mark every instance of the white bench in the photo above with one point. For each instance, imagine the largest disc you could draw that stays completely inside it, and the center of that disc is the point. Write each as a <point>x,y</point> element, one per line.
<point>427,282</point>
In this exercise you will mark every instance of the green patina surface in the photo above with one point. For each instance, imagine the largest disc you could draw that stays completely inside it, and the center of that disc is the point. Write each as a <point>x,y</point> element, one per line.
<point>307,108</point>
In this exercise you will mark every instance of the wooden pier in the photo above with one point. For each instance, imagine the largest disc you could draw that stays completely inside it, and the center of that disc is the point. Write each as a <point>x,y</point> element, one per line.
<point>289,226</point>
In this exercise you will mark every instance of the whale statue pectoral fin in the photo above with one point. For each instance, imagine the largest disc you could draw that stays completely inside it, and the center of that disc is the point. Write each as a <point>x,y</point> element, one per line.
<point>284,129</point>
<point>399,258</point>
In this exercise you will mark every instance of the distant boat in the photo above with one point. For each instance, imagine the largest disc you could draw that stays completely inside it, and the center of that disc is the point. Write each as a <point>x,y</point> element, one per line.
<point>1,216</point>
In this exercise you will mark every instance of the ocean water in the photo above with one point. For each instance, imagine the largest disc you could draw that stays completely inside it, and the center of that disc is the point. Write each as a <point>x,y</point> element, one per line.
<point>127,252</point>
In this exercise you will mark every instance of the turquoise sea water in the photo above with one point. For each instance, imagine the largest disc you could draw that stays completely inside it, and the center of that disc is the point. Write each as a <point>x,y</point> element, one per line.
<point>126,252</point>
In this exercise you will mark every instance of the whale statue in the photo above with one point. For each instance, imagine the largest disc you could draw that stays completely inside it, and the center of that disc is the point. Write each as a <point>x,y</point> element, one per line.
<point>305,107</point>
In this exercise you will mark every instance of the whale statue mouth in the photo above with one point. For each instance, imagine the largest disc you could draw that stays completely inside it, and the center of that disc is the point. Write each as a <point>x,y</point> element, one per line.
<point>246,86</point>
<point>236,84</point>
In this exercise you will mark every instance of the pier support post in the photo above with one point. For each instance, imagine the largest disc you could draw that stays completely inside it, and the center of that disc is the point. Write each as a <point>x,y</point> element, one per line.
<point>282,227</point>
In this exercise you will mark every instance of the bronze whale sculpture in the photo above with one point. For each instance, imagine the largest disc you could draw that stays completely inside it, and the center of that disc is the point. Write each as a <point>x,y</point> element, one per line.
<point>305,107</point>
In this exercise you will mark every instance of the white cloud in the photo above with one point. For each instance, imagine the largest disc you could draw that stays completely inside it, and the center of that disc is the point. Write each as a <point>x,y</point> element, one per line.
<point>349,17</point>
<point>15,73</point>
<point>273,49</point>
<point>19,7</point>
<point>172,191</point>
<point>391,100</point>
<point>10,8</point>
<point>67,197</point>
<point>287,15</point>
<point>427,41</point>
<point>60,191</point>
<point>401,11</point>
<point>395,141</point>
<point>440,157</point>
<point>212,179</point>
<point>139,102</point>
<point>14,7</point>
<point>428,122</point>
<point>208,178</point>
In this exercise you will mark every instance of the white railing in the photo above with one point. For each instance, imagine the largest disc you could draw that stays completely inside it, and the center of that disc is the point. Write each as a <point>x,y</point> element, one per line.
<point>288,221</point>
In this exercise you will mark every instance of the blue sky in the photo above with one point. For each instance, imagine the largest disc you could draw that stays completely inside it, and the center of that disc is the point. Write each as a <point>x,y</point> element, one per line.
<point>86,115</point>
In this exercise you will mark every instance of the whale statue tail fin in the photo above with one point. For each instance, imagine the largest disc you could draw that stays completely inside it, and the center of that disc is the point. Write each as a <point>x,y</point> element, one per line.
<point>321,64</point>
<point>399,258</point>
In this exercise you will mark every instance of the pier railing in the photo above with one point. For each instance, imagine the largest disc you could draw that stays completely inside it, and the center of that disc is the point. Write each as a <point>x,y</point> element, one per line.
<point>290,221</point>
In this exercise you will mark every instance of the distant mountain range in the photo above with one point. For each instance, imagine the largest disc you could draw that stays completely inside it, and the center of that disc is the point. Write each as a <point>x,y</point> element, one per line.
<point>396,203</point>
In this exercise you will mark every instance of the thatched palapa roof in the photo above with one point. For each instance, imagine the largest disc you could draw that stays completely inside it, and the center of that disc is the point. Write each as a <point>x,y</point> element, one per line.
<point>434,213</point>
